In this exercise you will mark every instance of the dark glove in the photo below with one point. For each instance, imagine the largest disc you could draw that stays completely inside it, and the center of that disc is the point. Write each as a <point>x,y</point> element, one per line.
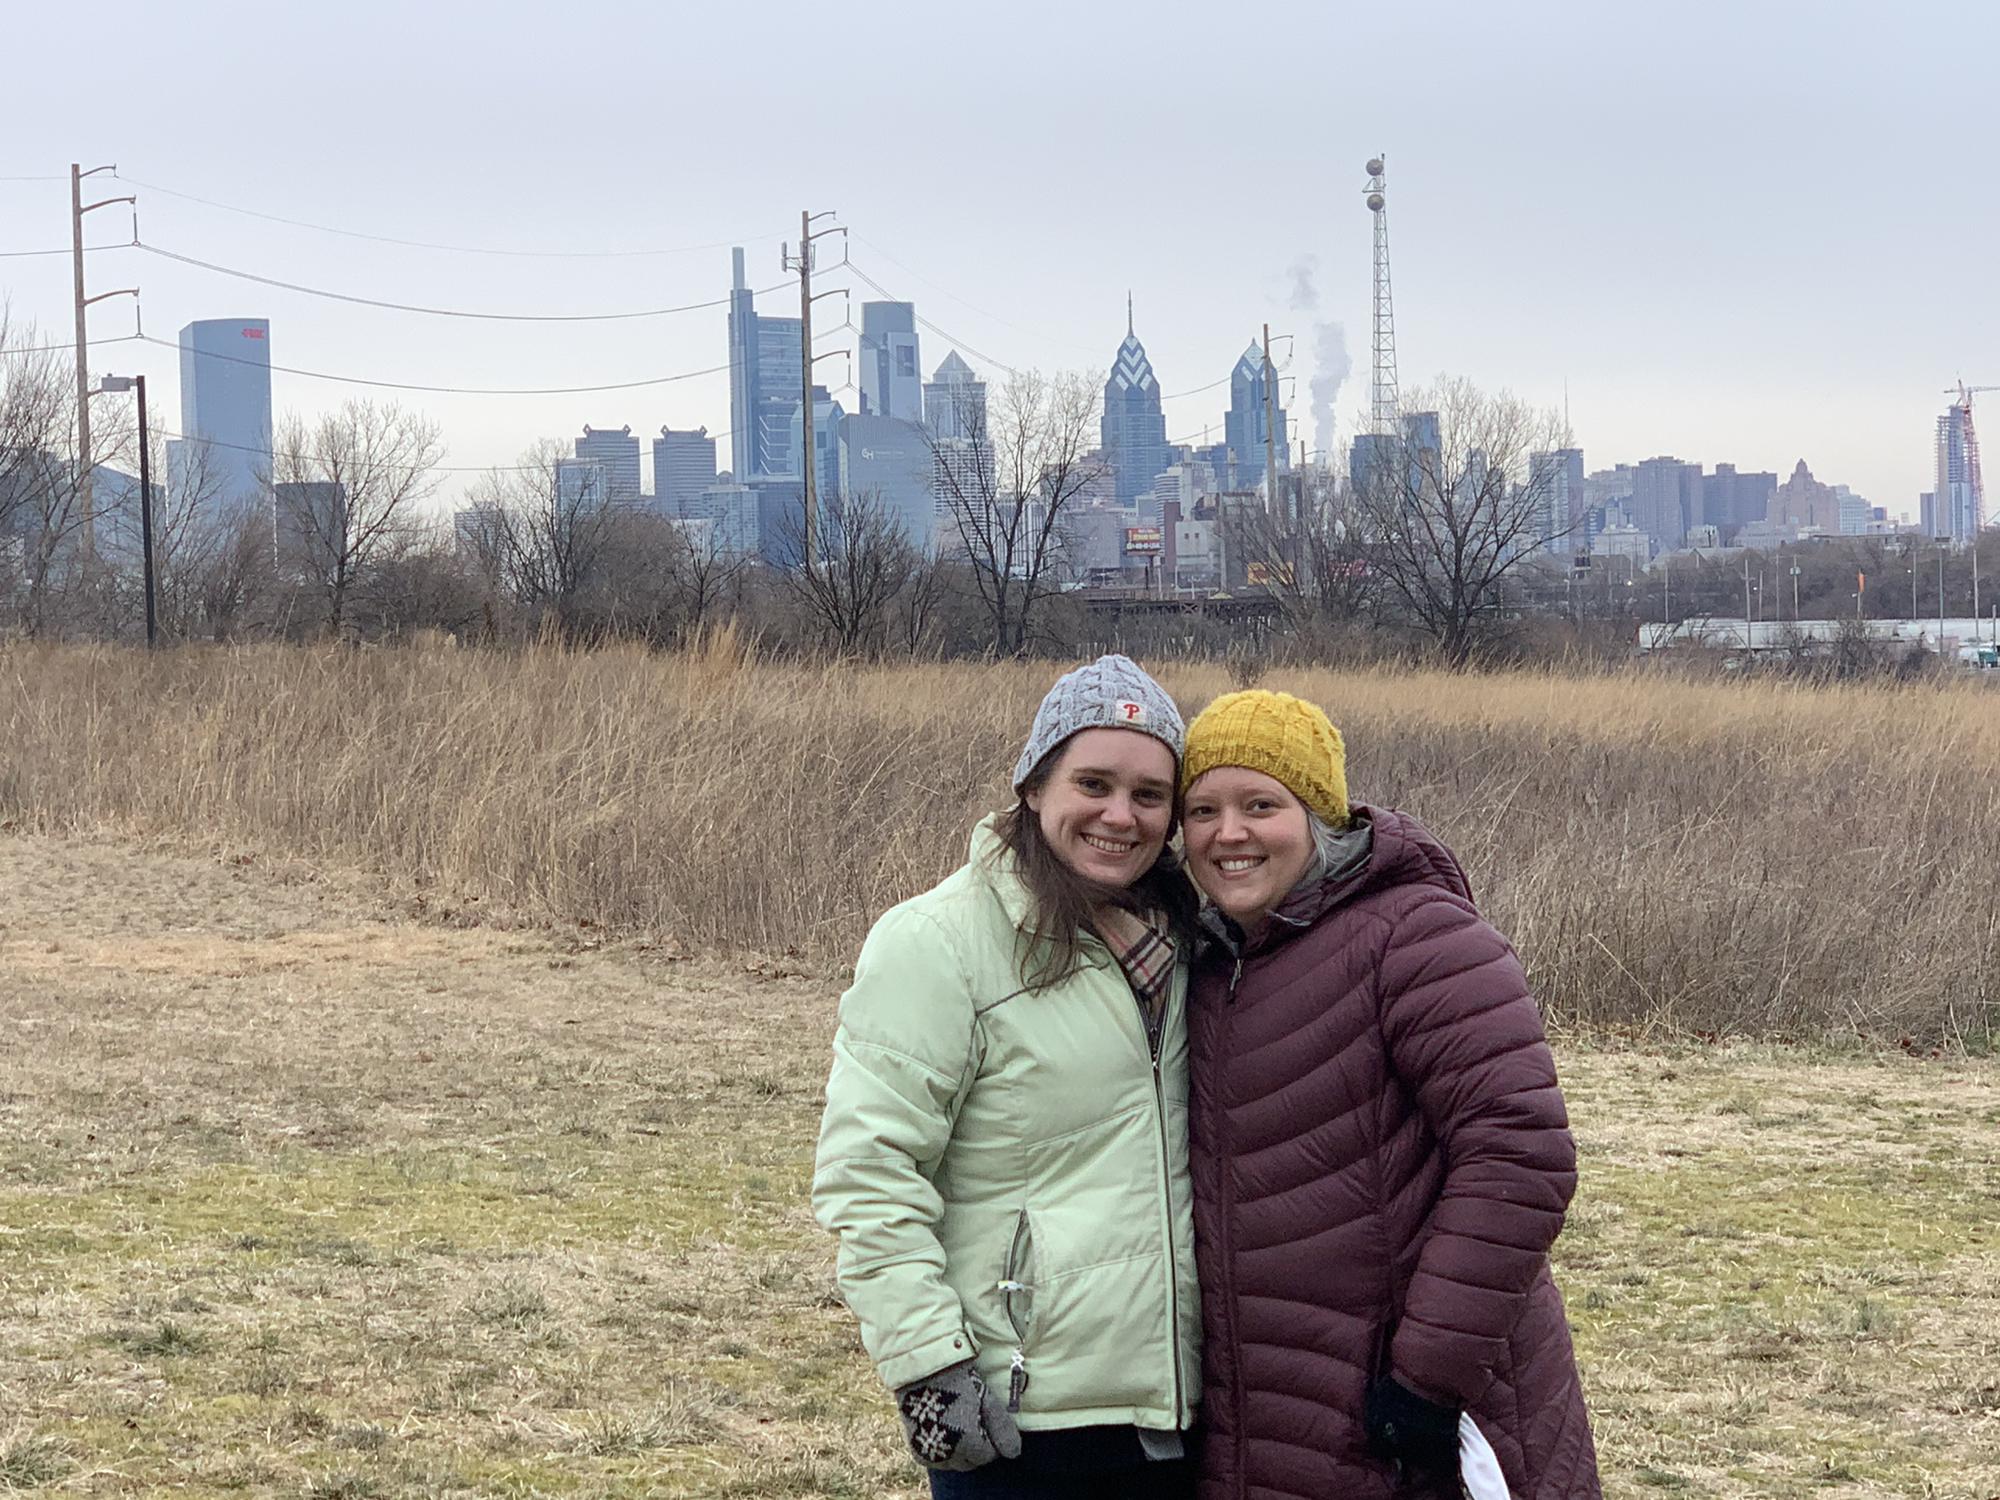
<point>1403,1425</point>
<point>954,1422</point>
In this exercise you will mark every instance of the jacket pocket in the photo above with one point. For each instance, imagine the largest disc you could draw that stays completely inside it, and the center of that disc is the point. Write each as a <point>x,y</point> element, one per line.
<point>1017,1295</point>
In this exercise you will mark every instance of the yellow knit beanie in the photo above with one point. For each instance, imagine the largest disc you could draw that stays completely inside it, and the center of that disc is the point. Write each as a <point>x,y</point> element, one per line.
<point>1282,736</point>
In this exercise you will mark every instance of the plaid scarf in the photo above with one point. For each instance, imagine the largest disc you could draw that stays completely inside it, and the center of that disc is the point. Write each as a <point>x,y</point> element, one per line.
<point>1145,952</point>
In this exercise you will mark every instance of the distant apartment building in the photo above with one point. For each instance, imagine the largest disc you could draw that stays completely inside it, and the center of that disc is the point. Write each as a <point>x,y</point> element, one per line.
<point>891,381</point>
<point>683,466</point>
<point>225,411</point>
<point>1555,487</point>
<point>1666,499</point>
<point>310,525</point>
<point>617,452</point>
<point>1853,511</point>
<point>1731,500</point>
<point>479,528</point>
<point>730,511</point>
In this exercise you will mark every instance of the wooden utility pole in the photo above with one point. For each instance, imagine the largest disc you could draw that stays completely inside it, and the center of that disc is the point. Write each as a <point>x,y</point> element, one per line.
<point>808,457</point>
<point>86,499</point>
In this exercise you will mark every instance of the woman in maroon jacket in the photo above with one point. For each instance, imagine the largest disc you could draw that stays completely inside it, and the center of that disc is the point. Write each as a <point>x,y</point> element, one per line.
<point>1382,1157</point>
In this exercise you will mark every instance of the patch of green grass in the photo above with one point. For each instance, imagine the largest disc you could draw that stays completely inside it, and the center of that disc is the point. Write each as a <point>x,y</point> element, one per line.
<point>29,1460</point>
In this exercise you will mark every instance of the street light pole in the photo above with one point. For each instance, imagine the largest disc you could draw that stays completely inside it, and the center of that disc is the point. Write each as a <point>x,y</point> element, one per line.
<point>138,383</point>
<point>146,514</point>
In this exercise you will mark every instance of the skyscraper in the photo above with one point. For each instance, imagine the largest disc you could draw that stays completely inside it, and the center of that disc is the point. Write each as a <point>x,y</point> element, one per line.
<point>1133,429</point>
<point>890,378</point>
<point>1666,500</point>
<point>1555,480</point>
<point>683,466</point>
<point>955,401</point>
<point>226,408</point>
<point>764,385</point>
<point>886,463</point>
<point>1961,494</point>
<point>1244,425</point>
<point>618,452</point>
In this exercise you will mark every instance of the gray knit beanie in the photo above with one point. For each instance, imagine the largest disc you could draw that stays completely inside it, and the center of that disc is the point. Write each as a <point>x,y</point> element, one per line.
<point>1113,692</point>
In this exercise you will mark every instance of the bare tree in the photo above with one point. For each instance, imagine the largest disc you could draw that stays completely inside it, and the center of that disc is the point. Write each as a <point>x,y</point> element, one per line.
<point>1308,553</point>
<point>347,489</point>
<point>863,560</point>
<point>915,608</point>
<point>1010,484</point>
<point>41,514</point>
<point>1448,512</point>
<point>548,525</point>
<point>708,573</point>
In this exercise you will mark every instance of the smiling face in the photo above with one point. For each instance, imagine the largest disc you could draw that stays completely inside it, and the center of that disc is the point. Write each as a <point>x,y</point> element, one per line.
<point>1107,804</point>
<point>1248,841</point>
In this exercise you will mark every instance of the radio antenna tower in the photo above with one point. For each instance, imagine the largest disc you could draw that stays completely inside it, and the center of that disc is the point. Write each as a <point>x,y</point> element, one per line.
<point>1384,398</point>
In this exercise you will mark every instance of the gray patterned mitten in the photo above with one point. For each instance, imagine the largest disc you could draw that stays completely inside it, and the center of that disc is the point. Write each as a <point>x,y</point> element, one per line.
<point>954,1422</point>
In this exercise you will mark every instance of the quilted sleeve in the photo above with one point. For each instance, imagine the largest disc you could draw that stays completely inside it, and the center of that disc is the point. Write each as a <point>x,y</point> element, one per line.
<point>1464,1035</point>
<point>902,1060</point>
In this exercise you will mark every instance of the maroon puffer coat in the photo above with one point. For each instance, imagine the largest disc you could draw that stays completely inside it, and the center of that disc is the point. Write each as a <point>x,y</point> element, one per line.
<point>1381,1161</point>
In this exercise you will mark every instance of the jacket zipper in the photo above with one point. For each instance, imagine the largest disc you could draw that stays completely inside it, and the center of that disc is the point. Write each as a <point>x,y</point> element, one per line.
<point>1012,1286</point>
<point>1228,1184</point>
<point>1152,1044</point>
<point>1173,1259</point>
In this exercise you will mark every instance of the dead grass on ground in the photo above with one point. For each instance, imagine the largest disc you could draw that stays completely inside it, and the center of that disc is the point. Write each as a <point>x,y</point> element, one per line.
<point>301,1197</point>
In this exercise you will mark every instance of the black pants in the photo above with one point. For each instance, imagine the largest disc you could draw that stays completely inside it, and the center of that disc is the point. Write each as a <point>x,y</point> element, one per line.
<point>1078,1463</point>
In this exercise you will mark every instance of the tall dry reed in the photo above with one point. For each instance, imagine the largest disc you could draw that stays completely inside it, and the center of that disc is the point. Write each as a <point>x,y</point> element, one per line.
<point>1729,857</point>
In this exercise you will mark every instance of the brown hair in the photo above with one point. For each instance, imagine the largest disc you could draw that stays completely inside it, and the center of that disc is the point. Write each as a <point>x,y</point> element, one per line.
<point>1065,901</point>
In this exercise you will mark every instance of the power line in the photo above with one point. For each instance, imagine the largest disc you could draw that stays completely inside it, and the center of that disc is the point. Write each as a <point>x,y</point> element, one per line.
<point>444,312</point>
<point>386,239</point>
<point>123,338</point>
<point>940,332</point>
<point>968,306</point>
<point>401,468</point>
<point>65,250</point>
<point>52,177</point>
<point>445,390</point>
<point>952,338</point>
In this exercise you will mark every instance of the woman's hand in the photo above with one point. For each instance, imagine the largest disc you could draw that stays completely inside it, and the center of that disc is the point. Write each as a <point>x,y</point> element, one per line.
<point>1403,1425</point>
<point>952,1421</point>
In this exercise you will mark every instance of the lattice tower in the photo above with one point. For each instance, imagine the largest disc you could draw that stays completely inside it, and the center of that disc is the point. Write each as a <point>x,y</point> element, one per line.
<point>1383,395</point>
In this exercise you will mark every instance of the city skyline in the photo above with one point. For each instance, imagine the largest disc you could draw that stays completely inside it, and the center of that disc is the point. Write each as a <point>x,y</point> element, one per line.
<point>1780,315</point>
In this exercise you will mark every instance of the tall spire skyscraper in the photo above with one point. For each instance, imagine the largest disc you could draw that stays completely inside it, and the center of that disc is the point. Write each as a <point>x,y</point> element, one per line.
<point>1133,430</point>
<point>764,385</point>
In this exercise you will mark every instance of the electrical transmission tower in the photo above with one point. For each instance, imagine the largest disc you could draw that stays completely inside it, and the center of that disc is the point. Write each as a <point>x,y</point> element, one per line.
<point>1383,395</point>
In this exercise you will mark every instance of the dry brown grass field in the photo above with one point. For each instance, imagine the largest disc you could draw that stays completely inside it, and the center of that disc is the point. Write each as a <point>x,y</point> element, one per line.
<point>304,1192</point>
<point>1671,856</point>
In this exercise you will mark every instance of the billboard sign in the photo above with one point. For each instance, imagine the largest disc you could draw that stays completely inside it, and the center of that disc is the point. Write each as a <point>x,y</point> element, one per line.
<point>1142,541</point>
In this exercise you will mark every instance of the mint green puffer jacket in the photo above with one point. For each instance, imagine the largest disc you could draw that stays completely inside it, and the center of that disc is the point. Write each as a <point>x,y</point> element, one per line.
<point>1007,1171</point>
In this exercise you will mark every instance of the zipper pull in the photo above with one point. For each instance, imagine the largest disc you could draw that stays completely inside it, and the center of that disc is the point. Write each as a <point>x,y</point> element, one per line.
<point>1233,978</point>
<point>1017,1379</point>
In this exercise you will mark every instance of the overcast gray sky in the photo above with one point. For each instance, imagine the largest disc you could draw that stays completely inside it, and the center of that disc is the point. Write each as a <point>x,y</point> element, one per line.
<point>1750,233</point>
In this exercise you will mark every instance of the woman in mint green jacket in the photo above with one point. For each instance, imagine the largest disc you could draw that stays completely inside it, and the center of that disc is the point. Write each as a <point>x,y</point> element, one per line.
<point>1004,1152</point>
